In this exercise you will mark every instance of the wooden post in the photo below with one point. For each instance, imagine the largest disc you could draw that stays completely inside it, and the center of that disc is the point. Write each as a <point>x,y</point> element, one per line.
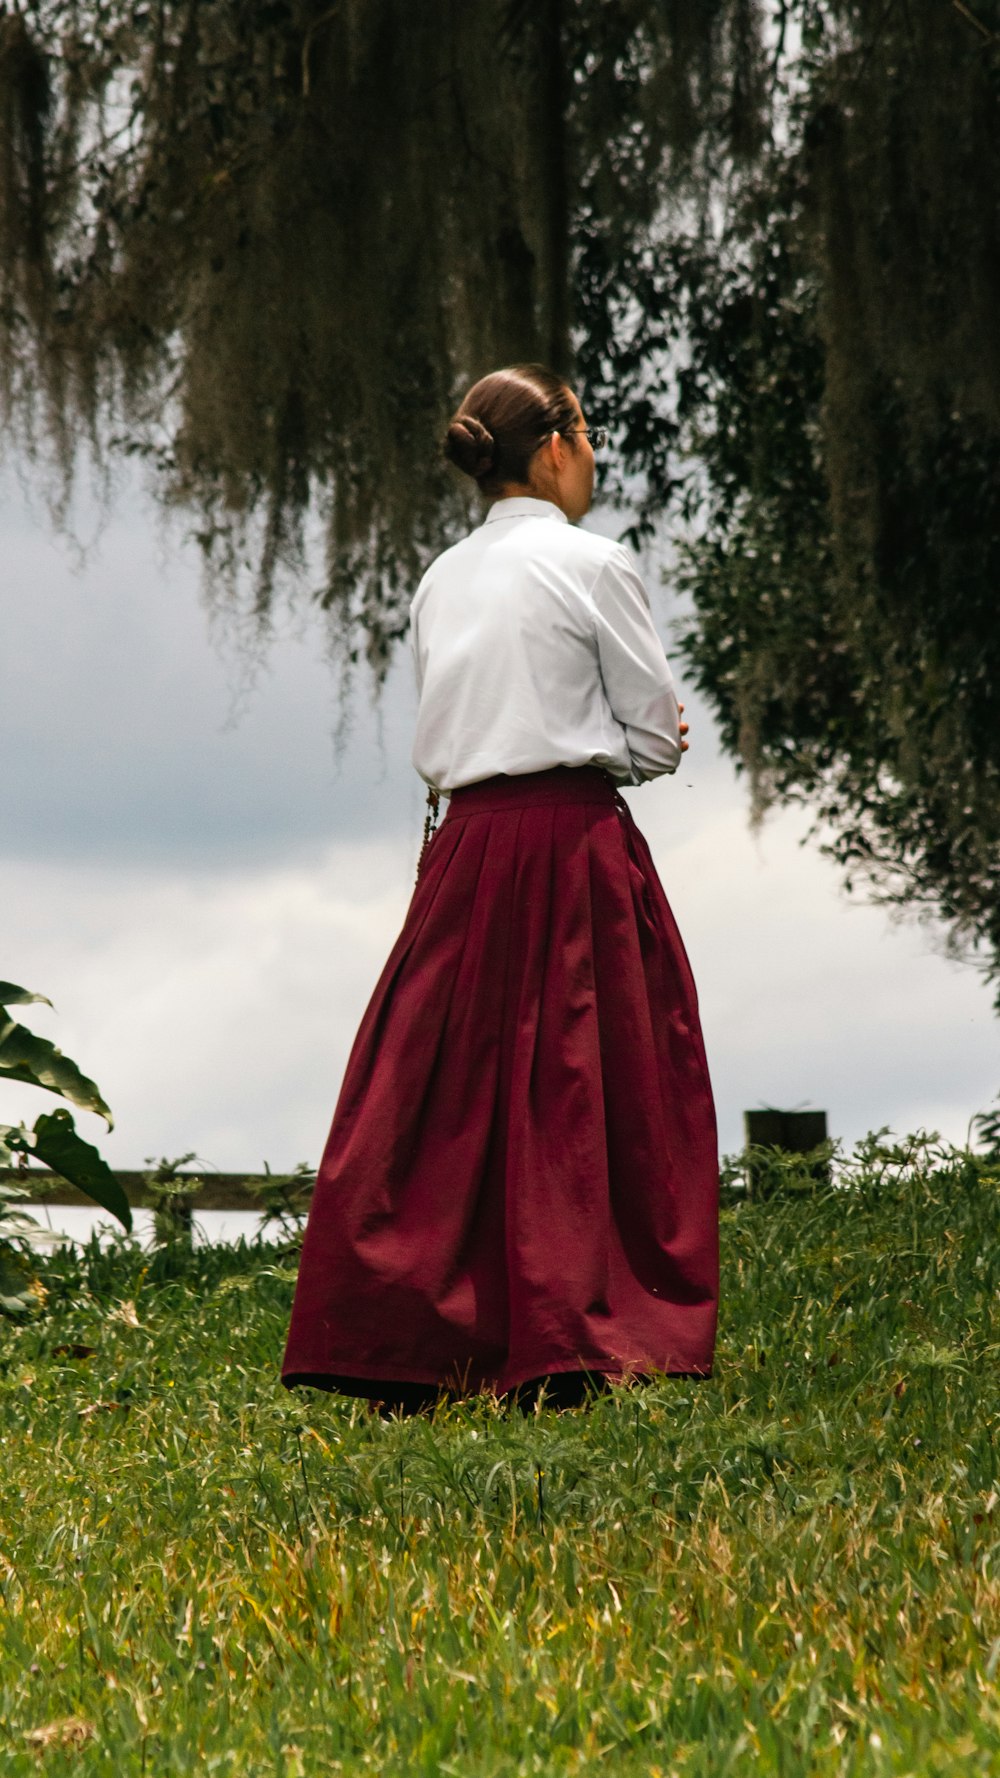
<point>795,1132</point>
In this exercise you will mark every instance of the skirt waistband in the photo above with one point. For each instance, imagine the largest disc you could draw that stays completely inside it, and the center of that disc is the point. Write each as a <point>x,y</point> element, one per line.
<point>558,784</point>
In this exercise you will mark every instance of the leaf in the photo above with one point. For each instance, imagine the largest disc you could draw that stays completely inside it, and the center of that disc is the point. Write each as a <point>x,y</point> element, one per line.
<point>16,1224</point>
<point>13,996</point>
<point>57,1144</point>
<point>26,1057</point>
<point>17,1283</point>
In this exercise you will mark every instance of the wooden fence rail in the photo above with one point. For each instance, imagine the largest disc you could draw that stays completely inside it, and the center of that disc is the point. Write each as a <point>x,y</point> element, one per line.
<point>218,1191</point>
<point>795,1131</point>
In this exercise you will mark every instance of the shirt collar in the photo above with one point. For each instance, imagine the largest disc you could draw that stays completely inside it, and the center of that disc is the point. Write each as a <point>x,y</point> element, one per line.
<point>517,506</point>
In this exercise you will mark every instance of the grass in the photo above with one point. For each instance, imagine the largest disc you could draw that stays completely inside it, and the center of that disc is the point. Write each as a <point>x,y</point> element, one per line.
<point>791,1568</point>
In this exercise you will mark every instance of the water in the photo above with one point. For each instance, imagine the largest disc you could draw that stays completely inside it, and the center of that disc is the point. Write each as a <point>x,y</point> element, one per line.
<point>79,1222</point>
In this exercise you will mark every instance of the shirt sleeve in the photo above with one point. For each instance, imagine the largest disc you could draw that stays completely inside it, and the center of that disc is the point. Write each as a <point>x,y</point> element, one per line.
<point>637,678</point>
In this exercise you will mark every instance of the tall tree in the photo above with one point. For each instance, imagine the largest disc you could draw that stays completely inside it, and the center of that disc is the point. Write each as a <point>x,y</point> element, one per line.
<point>838,409</point>
<point>265,246</point>
<point>268,245</point>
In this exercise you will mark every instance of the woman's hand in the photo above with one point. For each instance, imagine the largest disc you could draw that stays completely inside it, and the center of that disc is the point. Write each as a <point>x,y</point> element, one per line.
<point>684,730</point>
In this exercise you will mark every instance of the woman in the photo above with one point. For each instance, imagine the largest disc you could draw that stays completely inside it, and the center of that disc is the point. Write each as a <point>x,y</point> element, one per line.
<point>521,1178</point>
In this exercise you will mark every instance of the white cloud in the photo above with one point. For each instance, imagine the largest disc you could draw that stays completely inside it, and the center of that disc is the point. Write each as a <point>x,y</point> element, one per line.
<point>811,998</point>
<point>215,1011</point>
<point>210,906</point>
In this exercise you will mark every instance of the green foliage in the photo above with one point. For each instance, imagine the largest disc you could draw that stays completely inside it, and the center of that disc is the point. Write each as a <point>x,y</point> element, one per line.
<point>11,995</point>
<point>171,1196</point>
<point>862,684</point>
<point>20,1289</point>
<point>987,1127</point>
<point>789,1568</point>
<point>265,249</point>
<point>764,1171</point>
<point>35,1061</point>
<point>284,1199</point>
<point>53,1140</point>
<point>809,380</point>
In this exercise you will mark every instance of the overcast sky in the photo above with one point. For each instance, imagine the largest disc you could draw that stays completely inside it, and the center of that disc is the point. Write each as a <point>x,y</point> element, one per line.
<point>208,899</point>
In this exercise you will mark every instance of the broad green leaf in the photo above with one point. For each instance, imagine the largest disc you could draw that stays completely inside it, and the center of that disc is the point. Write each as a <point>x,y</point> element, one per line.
<point>13,996</point>
<point>57,1144</point>
<point>26,1057</point>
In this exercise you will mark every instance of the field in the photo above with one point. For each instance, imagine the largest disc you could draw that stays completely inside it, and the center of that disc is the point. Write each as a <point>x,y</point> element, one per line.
<point>790,1568</point>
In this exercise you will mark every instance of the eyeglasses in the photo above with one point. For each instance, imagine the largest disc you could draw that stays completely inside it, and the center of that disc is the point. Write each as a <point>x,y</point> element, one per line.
<point>598,435</point>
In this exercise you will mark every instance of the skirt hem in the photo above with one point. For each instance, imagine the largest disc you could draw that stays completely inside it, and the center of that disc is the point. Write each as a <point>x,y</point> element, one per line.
<point>355,1381</point>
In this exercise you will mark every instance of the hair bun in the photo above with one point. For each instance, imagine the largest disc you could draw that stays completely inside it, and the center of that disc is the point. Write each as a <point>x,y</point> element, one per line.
<point>470,445</point>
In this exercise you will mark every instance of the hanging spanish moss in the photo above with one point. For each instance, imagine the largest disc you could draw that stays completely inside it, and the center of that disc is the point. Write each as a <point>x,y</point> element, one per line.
<point>267,247</point>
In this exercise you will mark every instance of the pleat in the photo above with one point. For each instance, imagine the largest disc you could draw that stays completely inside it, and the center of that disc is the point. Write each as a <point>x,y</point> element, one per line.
<point>397,1047</point>
<point>452,1220</point>
<point>376,1277</point>
<point>682,1084</point>
<point>557,1174</point>
<point>521,1173</point>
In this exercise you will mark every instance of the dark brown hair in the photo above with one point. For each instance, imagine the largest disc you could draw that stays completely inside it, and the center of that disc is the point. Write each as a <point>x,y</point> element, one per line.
<point>502,421</point>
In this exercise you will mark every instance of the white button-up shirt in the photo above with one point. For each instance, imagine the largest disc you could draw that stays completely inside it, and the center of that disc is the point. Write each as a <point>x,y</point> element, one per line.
<point>534,647</point>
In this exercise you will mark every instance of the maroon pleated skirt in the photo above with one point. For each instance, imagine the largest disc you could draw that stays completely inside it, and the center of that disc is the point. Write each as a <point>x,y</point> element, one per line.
<point>521,1177</point>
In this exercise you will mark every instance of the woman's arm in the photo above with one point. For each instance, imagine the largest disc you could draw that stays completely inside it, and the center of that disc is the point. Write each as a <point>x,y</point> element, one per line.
<point>634,667</point>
